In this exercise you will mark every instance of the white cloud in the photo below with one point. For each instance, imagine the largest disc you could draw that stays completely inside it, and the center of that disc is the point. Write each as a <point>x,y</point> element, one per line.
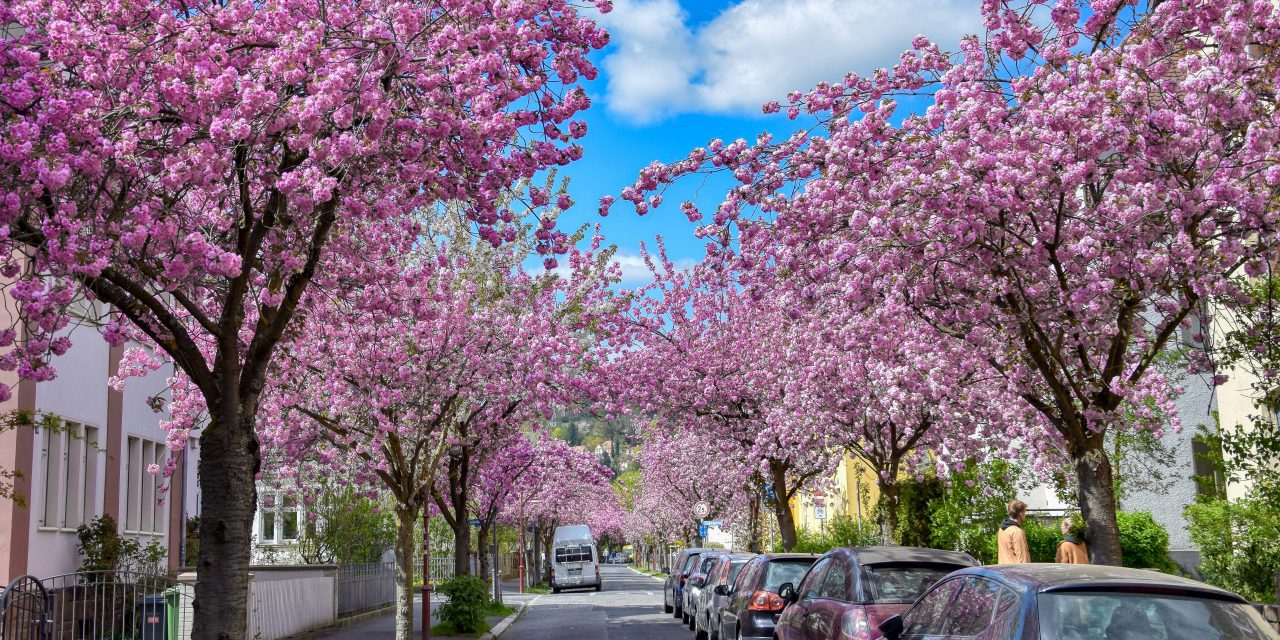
<point>631,265</point>
<point>758,50</point>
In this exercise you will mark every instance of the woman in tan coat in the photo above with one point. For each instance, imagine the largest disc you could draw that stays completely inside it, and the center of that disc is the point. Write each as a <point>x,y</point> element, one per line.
<point>1071,550</point>
<point>1011,542</point>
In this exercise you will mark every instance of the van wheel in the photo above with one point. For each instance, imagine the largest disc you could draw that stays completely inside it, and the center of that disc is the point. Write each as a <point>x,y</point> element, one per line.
<point>555,589</point>
<point>597,587</point>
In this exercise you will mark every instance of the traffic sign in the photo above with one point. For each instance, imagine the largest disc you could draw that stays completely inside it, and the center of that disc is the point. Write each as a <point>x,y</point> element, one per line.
<point>702,531</point>
<point>819,513</point>
<point>713,523</point>
<point>701,509</point>
<point>475,522</point>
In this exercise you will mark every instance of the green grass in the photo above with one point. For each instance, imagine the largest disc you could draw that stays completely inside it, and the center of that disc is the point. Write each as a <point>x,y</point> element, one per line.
<point>493,610</point>
<point>496,609</point>
<point>539,588</point>
<point>650,572</point>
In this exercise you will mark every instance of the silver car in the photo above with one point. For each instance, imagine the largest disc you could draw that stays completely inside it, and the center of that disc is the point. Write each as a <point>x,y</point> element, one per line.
<point>715,593</point>
<point>693,587</point>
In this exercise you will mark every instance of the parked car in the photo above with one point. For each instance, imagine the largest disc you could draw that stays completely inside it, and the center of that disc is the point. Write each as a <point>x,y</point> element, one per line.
<point>850,591</point>
<point>1076,602</point>
<point>753,604</point>
<point>715,594</point>
<point>677,574</point>
<point>693,587</point>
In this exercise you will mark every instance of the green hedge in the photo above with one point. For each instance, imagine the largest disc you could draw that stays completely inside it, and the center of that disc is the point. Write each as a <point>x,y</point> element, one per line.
<point>1144,544</point>
<point>1239,545</point>
<point>467,605</point>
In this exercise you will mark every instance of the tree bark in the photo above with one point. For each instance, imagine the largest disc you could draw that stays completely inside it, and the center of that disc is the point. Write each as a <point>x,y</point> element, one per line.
<point>1096,496</point>
<point>229,462</point>
<point>461,543</point>
<point>753,524</point>
<point>888,509</point>
<point>482,543</point>
<point>782,505</point>
<point>405,547</point>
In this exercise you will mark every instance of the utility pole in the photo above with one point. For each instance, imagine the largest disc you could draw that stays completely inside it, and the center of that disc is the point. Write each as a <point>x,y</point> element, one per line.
<point>426,575</point>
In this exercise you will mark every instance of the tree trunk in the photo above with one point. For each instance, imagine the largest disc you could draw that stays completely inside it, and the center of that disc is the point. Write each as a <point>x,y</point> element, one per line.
<point>405,520</point>
<point>782,505</point>
<point>229,461</point>
<point>461,544</point>
<point>888,509</point>
<point>753,526</point>
<point>1096,496</point>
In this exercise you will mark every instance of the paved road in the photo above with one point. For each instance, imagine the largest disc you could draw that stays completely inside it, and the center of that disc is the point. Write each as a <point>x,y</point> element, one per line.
<point>628,608</point>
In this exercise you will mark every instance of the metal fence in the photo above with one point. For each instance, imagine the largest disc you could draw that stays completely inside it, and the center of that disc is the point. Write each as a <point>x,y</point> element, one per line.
<point>363,587</point>
<point>24,609</point>
<point>117,604</point>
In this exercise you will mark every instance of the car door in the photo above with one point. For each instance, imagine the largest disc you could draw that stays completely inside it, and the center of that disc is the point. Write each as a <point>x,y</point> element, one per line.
<point>792,625</point>
<point>823,618</point>
<point>743,589</point>
<point>925,620</point>
<point>984,610</point>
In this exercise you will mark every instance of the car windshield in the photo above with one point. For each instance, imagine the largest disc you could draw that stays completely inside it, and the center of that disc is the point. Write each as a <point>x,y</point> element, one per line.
<point>784,571</point>
<point>890,583</point>
<point>1097,615</point>
<point>574,553</point>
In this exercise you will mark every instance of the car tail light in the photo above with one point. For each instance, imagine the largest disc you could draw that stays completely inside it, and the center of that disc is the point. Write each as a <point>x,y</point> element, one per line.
<point>854,625</point>
<point>766,601</point>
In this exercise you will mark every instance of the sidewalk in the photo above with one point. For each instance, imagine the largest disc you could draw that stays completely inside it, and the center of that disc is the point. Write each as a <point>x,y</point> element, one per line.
<point>384,626</point>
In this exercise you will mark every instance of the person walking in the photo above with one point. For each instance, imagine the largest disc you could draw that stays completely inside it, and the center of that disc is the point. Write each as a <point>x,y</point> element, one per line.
<point>1071,550</point>
<point>1011,542</point>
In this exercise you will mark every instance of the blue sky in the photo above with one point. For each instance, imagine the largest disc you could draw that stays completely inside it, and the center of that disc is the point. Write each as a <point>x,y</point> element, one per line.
<point>679,73</point>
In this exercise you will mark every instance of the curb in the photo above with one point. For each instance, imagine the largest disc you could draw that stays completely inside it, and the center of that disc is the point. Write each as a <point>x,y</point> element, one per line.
<point>648,576</point>
<point>506,622</point>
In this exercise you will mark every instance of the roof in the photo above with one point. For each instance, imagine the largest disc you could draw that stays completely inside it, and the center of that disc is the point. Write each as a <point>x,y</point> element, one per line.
<point>790,556</point>
<point>1048,577</point>
<point>896,555</point>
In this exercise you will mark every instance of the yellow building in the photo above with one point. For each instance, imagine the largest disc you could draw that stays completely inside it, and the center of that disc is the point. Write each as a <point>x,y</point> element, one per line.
<point>851,491</point>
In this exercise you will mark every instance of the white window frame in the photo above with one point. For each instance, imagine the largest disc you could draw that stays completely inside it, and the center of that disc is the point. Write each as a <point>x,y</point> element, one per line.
<point>145,513</point>
<point>283,506</point>
<point>70,459</point>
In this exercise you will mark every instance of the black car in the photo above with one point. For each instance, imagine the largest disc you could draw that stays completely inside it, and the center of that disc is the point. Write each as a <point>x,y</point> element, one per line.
<point>1076,602</point>
<point>754,603</point>
<point>677,574</point>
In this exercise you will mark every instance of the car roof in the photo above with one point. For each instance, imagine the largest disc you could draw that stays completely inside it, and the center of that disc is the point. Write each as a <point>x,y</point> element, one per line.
<point>1047,577</point>
<point>898,555</point>
<point>770,557</point>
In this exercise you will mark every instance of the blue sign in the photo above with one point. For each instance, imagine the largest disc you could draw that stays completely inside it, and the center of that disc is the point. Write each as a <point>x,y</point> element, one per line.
<point>475,522</point>
<point>768,491</point>
<point>713,523</point>
<point>702,531</point>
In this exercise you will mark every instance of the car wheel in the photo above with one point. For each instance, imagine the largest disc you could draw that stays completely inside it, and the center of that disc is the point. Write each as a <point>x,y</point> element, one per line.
<point>676,613</point>
<point>693,624</point>
<point>555,589</point>
<point>699,634</point>
<point>666,608</point>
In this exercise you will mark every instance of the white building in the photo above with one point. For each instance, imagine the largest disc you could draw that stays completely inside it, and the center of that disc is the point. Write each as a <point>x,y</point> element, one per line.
<point>97,466</point>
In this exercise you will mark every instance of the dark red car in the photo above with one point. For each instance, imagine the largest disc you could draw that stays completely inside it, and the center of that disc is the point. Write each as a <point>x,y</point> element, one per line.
<point>849,592</point>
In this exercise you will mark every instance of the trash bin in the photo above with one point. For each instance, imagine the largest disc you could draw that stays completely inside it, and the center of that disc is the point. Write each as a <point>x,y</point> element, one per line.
<point>151,617</point>
<point>173,611</point>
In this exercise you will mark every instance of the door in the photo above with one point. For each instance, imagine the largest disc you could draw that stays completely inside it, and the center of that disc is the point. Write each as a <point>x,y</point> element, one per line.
<point>985,610</point>
<point>925,620</point>
<point>823,619</point>
<point>793,625</point>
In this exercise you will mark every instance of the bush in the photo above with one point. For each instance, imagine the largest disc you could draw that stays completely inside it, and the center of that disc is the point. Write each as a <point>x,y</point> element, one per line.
<point>1143,542</point>
<point>1238,545</point>
<point>467,604</point>
<point>841,531</point>
<point>102,548</point>
<point>1041,540</point>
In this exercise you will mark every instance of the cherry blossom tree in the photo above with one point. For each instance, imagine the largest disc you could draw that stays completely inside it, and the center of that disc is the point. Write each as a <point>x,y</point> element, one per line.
<point>1072,190</point>
<point>188,163</point>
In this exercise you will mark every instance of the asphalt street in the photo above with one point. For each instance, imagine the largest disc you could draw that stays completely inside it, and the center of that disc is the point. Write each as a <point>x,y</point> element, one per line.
<point>629,607</point>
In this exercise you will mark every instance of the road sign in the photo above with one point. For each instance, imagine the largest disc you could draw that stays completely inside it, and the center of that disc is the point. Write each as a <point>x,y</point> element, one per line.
<point>701,509</point>
<point>819,513</point>
<point>713,523</point>
<point>819,501</point>
<point>475,522</point>
<point>702,531</point>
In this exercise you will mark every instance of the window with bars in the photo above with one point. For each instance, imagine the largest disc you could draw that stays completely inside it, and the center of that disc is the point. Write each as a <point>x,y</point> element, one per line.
<point>145,512</point>
<point>71,459</point>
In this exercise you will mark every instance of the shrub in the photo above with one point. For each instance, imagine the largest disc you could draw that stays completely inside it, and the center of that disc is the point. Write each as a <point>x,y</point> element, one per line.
<point>468,601</point>
<point>842,530</point>
<point>102,548</point>
<point>1143,542</point>
<point>1238,545</point>
<point>1041,540</point>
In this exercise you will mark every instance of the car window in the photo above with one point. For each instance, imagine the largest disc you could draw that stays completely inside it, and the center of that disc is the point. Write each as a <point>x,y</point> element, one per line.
<point>985,610</point>
<point>690,562</point>
<point>899,583</point>
<point>833,585</point>
<point>747,578</point>
<point>809,588</point>
<point>780,572</point>
<point>1129,616</point>
<point>735,570</point>
<point>574,553</point>
<point>926,618</point>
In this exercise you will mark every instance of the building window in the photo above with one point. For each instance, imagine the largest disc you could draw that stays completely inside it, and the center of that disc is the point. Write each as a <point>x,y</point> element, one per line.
<point>70,458</point>
<point>145,512</point>
<point>279,518</point>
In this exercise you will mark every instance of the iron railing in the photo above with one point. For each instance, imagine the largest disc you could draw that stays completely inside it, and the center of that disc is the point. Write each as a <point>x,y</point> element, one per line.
<point>364,587</point>
<point>24,610</point>
<point>118,605</point>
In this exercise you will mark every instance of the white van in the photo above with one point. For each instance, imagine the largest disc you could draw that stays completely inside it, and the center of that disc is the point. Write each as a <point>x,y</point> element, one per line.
<point>574,563</point>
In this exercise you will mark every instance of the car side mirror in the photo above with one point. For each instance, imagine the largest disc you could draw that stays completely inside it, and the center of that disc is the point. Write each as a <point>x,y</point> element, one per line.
<point>722,589</point>
<point>666,570</point>
<point>787,592</point>
<point>697,581</point>
<point>892,627</point>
